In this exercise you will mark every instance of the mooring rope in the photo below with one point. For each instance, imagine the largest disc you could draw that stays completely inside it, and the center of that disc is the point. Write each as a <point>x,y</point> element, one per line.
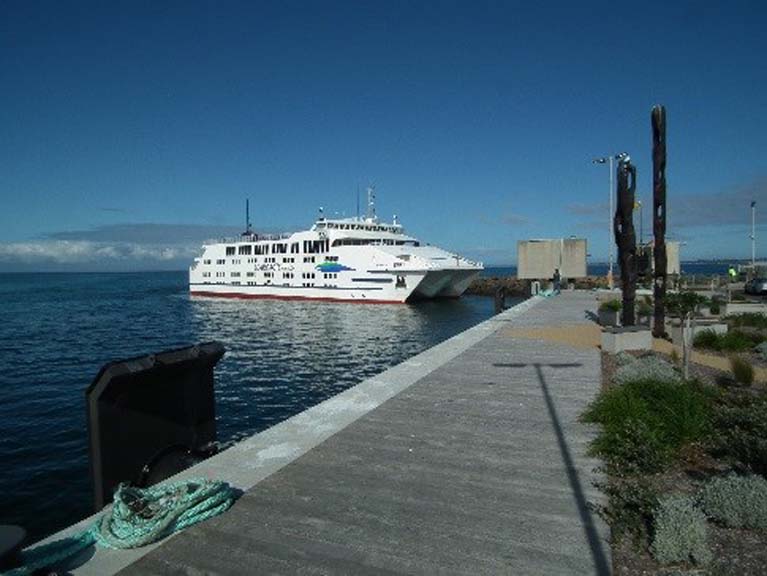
<point>139,516</point>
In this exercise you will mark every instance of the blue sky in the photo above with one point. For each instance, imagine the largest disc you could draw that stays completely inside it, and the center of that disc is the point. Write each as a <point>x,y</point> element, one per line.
<point>133,130</point>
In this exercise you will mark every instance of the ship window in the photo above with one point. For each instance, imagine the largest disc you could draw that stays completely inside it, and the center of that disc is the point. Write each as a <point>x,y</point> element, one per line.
<point>221,261</point>
<point>245,250</point>
<point>206,261</point>
<point>230,250</point>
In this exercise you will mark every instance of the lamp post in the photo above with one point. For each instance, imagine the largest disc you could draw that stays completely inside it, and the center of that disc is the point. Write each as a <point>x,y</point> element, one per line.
<point>753,235</point>
<point>609,160</point>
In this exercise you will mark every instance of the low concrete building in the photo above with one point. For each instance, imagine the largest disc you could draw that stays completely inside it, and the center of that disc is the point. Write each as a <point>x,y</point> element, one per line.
<point>538,259</point>
<point>673,266</point>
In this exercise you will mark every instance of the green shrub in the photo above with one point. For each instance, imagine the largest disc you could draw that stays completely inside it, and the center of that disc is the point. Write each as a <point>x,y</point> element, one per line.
<point>706,339</point>
<point>748,319</point>
<point>629,507</point>
<point>740,430</point>
<point>644,309</point>
<point>737,501</point>
<point>715,307</point>
<point>733,341</point>
<point>742,370</point>
<point>680,532</point>
<point>645,422</point>
<point>614,305</point>
<point>681,303</point>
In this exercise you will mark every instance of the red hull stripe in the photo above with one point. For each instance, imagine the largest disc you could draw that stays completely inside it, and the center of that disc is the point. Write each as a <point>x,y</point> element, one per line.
<point>276,297</point>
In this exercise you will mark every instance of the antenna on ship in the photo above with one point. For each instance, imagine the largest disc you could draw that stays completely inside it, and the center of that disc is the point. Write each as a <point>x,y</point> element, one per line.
<point>371,213</point>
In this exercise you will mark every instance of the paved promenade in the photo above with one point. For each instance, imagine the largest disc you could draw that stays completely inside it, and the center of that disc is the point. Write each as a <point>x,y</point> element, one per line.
<point>468,462</point>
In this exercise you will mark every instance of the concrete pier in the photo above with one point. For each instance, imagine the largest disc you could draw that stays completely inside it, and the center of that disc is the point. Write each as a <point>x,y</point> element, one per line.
<point>466,459</point>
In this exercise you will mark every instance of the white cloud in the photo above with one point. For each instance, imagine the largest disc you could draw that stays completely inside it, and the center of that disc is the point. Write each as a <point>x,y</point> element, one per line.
<point>88,252</point>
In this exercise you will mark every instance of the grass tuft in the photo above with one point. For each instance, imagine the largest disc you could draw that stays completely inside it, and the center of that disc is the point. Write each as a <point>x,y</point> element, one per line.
<point>742,370</point>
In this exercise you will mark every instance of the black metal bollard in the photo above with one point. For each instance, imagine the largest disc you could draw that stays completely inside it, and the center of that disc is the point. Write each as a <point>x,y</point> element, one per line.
<point>500,299</point>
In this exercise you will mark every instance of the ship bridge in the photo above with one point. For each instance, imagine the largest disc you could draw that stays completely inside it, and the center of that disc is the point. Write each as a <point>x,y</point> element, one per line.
<point>360,232</point>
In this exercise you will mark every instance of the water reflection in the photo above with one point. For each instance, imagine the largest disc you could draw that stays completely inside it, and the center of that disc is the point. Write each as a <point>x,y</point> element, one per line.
<point>283,357</point>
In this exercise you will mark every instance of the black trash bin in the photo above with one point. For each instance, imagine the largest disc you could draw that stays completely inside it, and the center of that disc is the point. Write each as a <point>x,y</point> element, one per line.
<point>146,415</point>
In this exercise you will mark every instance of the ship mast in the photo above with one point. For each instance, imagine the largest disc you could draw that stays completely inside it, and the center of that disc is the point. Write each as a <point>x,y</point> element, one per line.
<point>371,212</point>
<point>248,228</point>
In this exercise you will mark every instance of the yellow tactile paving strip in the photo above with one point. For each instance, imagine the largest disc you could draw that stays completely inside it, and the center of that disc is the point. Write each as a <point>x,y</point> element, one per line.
<point>589,335</point>
<point>585,335</point>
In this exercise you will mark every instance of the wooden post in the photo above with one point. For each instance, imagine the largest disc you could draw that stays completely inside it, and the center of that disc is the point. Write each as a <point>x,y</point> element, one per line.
<point>625,238</point>
<point>658,118</point>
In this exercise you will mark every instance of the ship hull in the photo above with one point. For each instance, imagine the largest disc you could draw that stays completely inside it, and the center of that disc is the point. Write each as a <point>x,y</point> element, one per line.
<point>448,283</point>
<point>388,294</point>
<point>418,286</point>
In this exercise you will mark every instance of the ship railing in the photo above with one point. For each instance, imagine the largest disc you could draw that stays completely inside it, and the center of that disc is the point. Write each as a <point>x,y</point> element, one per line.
<point>248,238</point>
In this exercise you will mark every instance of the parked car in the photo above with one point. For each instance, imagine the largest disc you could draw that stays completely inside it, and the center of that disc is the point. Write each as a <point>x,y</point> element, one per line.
<point>756,286</point>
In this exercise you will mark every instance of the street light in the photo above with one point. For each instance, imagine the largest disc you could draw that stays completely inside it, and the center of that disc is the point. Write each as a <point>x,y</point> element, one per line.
<point>609,160</point>
<point>753,235</point>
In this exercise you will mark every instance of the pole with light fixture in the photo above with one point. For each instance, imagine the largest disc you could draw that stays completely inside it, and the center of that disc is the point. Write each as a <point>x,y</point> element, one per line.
<point>753,235</point>
<point>610,240</point>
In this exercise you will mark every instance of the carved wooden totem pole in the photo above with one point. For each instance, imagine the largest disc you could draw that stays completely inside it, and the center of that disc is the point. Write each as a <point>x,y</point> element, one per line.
<point>658,117</point>
<point>625,237</point>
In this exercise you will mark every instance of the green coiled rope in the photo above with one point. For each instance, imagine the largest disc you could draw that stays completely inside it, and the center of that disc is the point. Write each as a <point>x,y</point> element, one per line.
<point>139,516</point>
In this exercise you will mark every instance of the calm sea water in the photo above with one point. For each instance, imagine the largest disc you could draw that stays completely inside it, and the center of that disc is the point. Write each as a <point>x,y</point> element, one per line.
<point>56,330</point>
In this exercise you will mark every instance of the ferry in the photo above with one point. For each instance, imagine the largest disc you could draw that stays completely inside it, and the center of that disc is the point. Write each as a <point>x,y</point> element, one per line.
<point>357,259</point>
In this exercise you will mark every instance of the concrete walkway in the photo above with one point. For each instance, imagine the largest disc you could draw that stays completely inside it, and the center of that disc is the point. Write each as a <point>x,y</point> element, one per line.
<point>466,459</point>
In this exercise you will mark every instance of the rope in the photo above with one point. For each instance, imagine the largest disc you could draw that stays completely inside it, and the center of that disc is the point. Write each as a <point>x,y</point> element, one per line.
<point>139,516</point>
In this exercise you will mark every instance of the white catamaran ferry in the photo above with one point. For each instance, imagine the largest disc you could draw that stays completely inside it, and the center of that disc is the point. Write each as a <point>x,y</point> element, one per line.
<point>342,260</point>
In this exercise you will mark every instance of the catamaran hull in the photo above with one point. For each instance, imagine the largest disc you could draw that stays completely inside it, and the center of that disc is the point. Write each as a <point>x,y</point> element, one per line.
<point>445,283</point>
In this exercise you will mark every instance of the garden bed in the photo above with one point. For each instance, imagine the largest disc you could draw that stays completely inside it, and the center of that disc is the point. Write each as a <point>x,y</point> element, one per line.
<point>708,442</point>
